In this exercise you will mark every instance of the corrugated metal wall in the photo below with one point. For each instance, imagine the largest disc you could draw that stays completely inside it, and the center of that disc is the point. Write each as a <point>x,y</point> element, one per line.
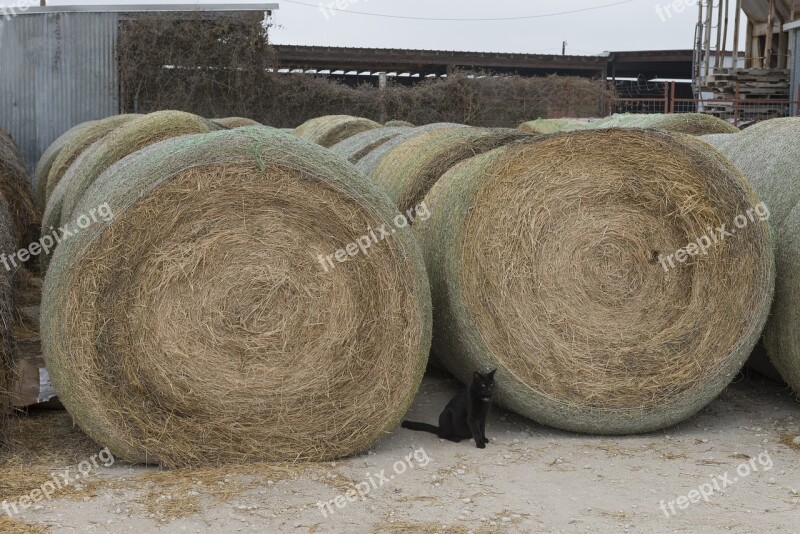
<point>56,70</point>
<point>794,37</point>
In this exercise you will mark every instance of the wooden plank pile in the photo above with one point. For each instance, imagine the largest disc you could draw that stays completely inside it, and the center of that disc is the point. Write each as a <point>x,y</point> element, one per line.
<point>763,93</point>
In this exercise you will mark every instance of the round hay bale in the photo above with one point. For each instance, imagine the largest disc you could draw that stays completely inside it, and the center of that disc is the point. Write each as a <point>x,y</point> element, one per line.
<point>356,147</point>
<point>368,163</point>
<point>46,162</point>
<point>212,332</point>
<point>688,123</point>
<point>15,188</point>
<point>549,260</point>
<point>7,358</point>
<point>767,153</point>
<point>123,141</point>
<point>399,124</point>
<point>549,126</point>
<point>79,142</point>
<point>332,129</point>
<point>231,123</point>
<point>409,171</point>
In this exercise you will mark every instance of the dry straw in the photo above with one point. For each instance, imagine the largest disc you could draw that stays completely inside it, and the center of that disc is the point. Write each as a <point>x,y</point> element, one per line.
<point>231,123</point>
<point>332,129</point>
<point>198,327</point>
<point>80,141</point>
<point>688,123</point>
<point>48,158</point>
<point>549,126</point>
<point>396,124</point>
<point>370,162</point>
<point>7,358</point>
<point>123,141</point>
<point>768,154</point>
<point>15,188</point>
<point>544,262</point>
<point>356,147</point>
<point>408,172</point>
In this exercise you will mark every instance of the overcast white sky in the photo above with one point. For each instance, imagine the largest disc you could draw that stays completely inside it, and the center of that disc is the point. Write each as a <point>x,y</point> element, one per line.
<point>633,25</point>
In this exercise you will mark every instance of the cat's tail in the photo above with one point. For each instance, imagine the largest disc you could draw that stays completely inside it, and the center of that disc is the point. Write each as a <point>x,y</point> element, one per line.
<point>422,427</point>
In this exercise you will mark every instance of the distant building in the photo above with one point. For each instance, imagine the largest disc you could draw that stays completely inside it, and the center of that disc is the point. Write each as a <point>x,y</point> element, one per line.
<point>59,66</point>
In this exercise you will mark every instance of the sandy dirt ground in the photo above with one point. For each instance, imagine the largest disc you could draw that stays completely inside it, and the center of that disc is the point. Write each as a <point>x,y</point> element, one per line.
<point>741,452</point>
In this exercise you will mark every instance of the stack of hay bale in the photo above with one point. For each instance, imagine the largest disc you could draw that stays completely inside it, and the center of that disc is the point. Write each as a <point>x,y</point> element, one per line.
<point>356,147</point>
<point>200,324</point>
<point>332,129</point>
<point>688,123</point>
<point>126,138</point>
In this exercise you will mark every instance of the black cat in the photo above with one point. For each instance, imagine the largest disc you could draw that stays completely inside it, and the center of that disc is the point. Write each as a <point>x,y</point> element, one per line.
<point>465,416</point>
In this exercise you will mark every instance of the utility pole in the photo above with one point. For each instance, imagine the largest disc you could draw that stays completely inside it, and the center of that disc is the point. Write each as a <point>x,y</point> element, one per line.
<point>564,48</point>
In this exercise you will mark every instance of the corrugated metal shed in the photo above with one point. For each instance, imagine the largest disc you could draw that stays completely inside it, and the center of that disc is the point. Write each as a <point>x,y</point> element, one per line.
<point>56,70</point>
<point>58,67</point>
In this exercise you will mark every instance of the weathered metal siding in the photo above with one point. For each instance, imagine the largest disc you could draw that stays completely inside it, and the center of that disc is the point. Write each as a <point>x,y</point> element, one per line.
<point>56,70</point>
<point>794,37</point>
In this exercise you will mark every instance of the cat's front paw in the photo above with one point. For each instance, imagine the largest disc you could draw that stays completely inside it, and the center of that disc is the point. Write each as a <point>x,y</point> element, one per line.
<point>481,445</point>
<point>486,440</point>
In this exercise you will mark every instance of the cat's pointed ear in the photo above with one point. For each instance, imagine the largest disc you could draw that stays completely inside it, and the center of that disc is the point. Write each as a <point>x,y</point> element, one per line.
<point>491,374</point>
<point>476,376</point>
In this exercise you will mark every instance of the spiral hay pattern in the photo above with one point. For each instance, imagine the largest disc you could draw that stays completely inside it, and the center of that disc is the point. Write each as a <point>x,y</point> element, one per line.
<point>199,327</point>
<point>544,260</point>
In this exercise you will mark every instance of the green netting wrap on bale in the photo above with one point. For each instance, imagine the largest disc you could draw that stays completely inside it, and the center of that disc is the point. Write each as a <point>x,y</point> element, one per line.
<point>718,139</point>
<point>332,129</point>
<point>356,147</point>
<point>80,141</point>
<point>45,163</point>
<point>15,188</point>
<point>7,247</point>
<point>368,163</point>
<point>549,126</point>
<point>121,142</point>
<point>134,135</point>
<point>549,260</point>
<point>235,122</point>
<point>688,123</point>
<point>408,172</point>
<point>395,124</point>
<point>768,154</point>
<point>199,326</point>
